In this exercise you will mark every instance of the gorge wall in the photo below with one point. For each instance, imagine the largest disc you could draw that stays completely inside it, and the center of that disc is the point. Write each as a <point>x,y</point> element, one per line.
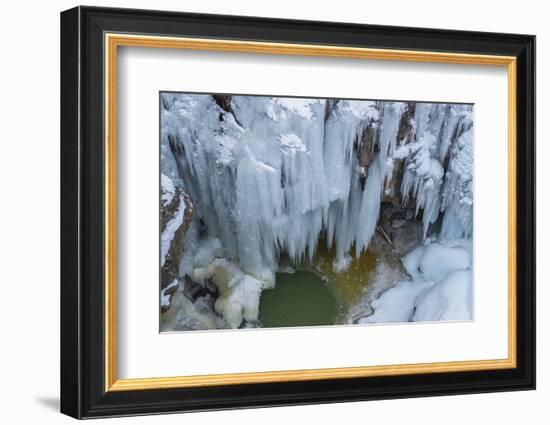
<point>268,176</point>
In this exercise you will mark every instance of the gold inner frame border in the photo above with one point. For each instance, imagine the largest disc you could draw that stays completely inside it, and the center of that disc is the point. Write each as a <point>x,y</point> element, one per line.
<point>114,40</point>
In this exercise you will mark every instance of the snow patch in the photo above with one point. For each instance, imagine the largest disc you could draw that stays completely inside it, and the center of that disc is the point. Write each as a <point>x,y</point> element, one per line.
<point>170,230</point>
<point>167,189</point>
<point>165,294</point>
<point>340,265</point>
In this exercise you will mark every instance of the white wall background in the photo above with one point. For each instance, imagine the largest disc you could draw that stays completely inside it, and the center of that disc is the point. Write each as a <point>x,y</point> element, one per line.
<point>29,213</point>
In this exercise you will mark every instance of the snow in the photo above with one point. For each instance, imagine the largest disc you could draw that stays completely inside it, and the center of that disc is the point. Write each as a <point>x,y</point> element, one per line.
<point>299,107</point>
<point>424,178</point>
<point>167,189</point>
<point>239,293</point>
<point>275,174</point>
<point>226,145</point>
<point>435,260</point>
<point>450,299</point>
<point>165,294</point>
<point>340,265</point>
<point>439,260</point>
<point>290,144</point>
<point>209,249</point>
<point>170,230</point>
<point>397,304</point>
<point>440,288</point>
<point>401,152</point>
<point>411,261</point>
<point>185,314</point>
<point>363,109</point>
<point>458,191</point>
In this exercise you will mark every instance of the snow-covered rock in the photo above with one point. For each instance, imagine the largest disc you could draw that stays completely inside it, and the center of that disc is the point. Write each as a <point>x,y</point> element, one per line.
<point>397,304</point>
<point>166,294</point>
<point>176,211</point>
<point>239,297</point>
<point>186,314</point>
<point>434,261</point>
<point>449,299</point>
<point>440,288</point>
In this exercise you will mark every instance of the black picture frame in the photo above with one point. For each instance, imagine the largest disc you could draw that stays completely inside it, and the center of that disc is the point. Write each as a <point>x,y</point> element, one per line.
<point>83,392</point>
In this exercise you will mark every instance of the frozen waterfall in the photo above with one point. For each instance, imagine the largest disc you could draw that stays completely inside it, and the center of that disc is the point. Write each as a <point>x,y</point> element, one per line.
<point>275,175</point>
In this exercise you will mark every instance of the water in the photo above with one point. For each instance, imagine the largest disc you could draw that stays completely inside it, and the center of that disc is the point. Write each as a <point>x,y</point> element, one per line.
<point>298,299</point>
<point>348,286</point>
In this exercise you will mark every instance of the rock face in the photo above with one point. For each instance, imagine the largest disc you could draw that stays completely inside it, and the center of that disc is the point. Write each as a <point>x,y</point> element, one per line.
<point>405,136</point>
<point>176,213</point>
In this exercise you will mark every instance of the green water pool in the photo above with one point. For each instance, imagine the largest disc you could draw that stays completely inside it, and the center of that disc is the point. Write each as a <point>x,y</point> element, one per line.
<point>298,299</point>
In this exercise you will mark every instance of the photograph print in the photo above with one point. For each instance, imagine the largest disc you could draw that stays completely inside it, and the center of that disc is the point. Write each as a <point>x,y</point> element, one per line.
<point>290,212</point>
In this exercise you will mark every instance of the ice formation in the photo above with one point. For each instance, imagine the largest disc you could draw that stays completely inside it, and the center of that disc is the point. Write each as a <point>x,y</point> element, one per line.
<point>239,297</point>
<point>273,175</point>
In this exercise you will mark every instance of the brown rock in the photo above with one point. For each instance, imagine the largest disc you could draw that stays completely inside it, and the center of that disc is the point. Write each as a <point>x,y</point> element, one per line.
<point>170,270</point>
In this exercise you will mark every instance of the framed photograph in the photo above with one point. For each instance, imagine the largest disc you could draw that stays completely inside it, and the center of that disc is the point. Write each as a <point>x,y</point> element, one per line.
<point>261,212</point>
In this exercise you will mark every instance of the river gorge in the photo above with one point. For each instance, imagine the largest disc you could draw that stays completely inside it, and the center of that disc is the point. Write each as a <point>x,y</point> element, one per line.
<point>281,212</point>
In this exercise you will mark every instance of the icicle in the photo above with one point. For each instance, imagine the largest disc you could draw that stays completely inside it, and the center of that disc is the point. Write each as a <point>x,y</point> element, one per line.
<point>370,206</point>
<point>271,175</point>
<point>390,126</point>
